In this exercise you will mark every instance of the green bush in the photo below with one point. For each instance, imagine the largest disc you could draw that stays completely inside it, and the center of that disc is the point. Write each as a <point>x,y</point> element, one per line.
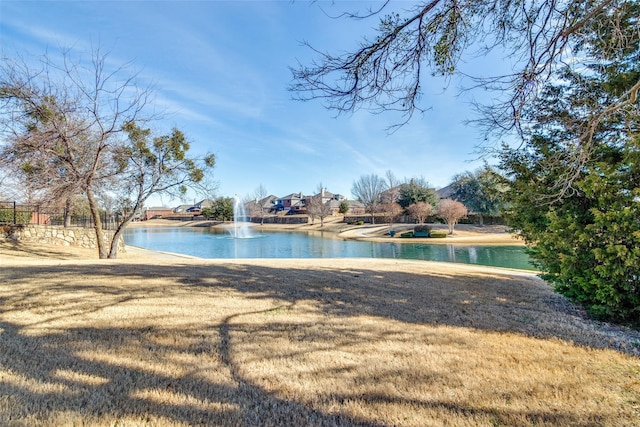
<point>407,234</point>
<point>587,244</point>
<point>21,217</point>
<point>360,222</point>
<point>438,234</point>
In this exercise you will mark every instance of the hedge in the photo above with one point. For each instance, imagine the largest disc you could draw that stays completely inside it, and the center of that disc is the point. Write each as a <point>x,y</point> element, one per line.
<point>438,234</point>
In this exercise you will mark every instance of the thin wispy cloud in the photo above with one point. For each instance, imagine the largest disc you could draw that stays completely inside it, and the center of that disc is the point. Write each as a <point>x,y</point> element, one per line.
<point>220,73</point>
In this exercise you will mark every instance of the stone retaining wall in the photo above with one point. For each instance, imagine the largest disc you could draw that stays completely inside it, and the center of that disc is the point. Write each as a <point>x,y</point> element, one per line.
<point>289,219</point>
<point>57,235</point>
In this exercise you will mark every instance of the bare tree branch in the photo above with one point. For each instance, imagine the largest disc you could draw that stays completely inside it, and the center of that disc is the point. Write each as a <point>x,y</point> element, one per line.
<point>540,38</point>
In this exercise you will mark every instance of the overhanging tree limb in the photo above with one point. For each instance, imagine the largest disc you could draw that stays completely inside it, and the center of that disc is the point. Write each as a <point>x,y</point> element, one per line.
<point>540,37</point>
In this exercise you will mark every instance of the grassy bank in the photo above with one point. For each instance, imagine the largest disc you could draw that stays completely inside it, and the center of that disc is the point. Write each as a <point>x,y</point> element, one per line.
<point>303,342</point>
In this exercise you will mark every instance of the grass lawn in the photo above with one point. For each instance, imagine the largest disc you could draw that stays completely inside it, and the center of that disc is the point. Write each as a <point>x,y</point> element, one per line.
<point>303,342</point>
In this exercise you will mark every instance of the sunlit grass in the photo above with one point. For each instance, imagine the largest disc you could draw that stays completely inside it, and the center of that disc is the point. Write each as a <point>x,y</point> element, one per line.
<point>303,342</point>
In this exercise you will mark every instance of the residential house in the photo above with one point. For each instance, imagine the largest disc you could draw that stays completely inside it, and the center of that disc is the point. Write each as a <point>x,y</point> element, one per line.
<point>206,203</point>
<point>445,192</point>
<point>156,212</point>
<point>194,209</point>
<point>296,203</point>
<point>390,195</point>
<point>327,196</point>
<point>293,203</point>
<point>268,203</point>
<point>332,199</point>
<point>181,209</point>
<point>356,207</point>
<point>262,207</point>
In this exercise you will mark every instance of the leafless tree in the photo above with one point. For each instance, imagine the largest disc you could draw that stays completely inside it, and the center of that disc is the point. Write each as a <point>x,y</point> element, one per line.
<point>392,192</point>
<point>392,181</point>
<point>367,189</point>
<point>12,181</point>
<point>64,124</point>
<point>318,207</point>
<point>391,211</point>
<point>420,211</point>
<point>451,211</point>
<point>256,206</point>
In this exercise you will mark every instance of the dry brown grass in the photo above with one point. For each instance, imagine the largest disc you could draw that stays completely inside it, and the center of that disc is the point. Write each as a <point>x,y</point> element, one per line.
<point>302,342</point>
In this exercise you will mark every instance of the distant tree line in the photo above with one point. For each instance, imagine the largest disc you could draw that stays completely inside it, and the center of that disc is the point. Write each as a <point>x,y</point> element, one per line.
<point>480,191</point>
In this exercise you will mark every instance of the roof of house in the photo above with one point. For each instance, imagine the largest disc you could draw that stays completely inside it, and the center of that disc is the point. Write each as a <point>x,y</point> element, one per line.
<point>292,196</point>
<point>268,201</point>
<point>355,203</point>
<point>205,203</point>
<point>445,192</point>
<point>326,194</point>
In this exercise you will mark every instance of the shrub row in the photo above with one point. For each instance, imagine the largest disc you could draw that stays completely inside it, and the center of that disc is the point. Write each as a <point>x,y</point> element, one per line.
<point>429,233</point>
<point>422,227</point>
<point>438,234</point>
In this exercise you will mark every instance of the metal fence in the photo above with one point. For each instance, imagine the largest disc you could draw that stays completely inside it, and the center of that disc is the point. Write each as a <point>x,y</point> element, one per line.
<point>23,214</point>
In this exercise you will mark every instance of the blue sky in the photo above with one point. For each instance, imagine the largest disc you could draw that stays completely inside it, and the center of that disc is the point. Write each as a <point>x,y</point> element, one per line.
<point>221,68</point>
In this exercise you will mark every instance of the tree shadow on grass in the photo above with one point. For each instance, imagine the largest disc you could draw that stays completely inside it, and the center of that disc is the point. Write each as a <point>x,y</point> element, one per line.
<point>48,380</point>
<point>52,381</point>
<point>53,371</point>
<point>493,302</point>
<point>18,249</point>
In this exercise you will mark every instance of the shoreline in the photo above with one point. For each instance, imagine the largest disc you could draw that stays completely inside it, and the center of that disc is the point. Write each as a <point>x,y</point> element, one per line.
<point>464,234</point>
<point>137,255</point>
<point>17,252</point>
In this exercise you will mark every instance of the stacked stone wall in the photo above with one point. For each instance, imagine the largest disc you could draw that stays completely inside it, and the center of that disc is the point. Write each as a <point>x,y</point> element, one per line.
<point>56,235</point>
<point>289,219</point>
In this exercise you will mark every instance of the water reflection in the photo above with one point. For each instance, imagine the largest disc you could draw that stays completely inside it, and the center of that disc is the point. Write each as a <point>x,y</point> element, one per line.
<point>212,243</point>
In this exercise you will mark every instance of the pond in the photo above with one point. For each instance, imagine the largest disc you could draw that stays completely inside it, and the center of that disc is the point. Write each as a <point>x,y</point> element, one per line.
<point>204,242</point>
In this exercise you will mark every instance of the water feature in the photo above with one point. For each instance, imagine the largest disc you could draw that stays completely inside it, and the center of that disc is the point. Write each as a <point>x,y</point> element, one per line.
<point>240,228</point>
<point>214,243</point>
